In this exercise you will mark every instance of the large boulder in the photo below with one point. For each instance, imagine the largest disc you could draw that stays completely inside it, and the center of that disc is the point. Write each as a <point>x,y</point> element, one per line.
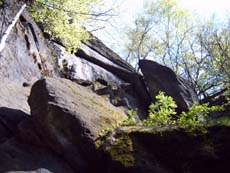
<point>69,118</point>
<point>161,78</point>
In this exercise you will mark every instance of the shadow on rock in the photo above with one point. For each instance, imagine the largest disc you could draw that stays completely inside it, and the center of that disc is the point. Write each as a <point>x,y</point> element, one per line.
<point>9,120</point>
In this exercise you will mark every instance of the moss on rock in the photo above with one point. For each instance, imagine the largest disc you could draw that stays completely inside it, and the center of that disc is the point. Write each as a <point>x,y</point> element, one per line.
<point>145,150</point>
<point>121,151</point>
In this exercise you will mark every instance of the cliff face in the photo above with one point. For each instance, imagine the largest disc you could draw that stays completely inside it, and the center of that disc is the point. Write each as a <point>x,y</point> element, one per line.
<point>30,143</point>
<point>26,56</point>
<point>71,125</point>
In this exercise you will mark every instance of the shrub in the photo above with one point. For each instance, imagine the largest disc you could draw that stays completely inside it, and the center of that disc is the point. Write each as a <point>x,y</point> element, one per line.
<point>162,111</point>
<point>196,115</point>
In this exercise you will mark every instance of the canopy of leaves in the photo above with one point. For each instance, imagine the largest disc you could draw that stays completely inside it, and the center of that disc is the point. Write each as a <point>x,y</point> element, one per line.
<point>64,19</point>
<point>198,51</point>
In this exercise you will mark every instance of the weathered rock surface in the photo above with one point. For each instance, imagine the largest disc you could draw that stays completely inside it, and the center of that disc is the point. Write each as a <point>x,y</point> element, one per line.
<point>148,150</point>
<point>95,44</point>
<point>121,71</point>
<point>89,65</point>
<point>26,56</point>
<point>14,96</point>
<point>83,70</point>
<point>161,78</point>
<point>70,118</point>
<point>21,149</point>
<point>13,108</point>
<point>65,132</point>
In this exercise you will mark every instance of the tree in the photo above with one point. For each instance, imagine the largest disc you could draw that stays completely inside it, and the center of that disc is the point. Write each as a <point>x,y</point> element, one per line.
<point>198,51</point>
<point>160,31</point>
<point>65,19</point>
<point>216,45</point>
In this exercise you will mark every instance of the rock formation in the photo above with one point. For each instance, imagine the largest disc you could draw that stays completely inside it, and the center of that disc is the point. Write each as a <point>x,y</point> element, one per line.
<point>26,56</point>
<point>164,150</point>
<point>161,78</point>
<point>73,125</point>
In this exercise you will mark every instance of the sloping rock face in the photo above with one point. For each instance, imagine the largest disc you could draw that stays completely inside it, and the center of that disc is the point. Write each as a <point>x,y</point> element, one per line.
<point>13,108</point>
<point>127,74</point>
<point>69,118</point>
<point>91,64</point>
<point>83,70</point>
<point>161,78</point>
<point>65,128</point>
<point>24,59</point>
<point>14,96</point>
<point>96,45</point>
<point>26,56</point>
<point>165,150</point>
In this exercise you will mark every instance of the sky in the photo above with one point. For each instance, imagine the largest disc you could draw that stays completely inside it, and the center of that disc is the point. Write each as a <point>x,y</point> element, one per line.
<point>127,9</point>
<point>207,7</point>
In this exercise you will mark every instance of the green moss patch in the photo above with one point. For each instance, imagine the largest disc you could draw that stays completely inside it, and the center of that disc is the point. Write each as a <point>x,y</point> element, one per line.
<point>122,151</point>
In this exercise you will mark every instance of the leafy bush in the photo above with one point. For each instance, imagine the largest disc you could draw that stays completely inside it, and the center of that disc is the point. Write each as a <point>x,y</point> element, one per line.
<point>161,112</point>
<point>196,115</point>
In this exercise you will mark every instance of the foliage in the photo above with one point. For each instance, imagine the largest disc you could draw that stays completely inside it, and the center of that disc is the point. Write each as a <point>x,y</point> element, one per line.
<point>196,115</point>
<point>131,118</point>
<point>162,111</point>
<point>197,50</point>
<point>216,46</point>
<point>64,19</point>
<point>160,31</point>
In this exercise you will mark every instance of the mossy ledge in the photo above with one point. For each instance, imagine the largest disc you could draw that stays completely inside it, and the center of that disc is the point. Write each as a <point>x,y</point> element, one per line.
<point>147,149</point>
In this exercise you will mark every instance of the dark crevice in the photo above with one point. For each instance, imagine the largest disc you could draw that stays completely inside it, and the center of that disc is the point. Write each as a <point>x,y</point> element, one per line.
<point>39,66</point>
